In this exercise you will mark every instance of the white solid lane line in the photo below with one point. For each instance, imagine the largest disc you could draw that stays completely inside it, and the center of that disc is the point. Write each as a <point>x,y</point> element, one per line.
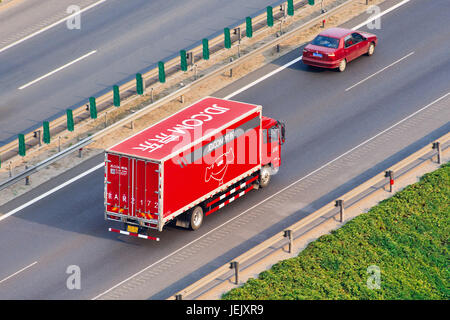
<point>56,70</point>
<point>372,75</point>
<point>15,273</point>
<point>381,14</point>
<point>51,26</point>
<point>42,196</point>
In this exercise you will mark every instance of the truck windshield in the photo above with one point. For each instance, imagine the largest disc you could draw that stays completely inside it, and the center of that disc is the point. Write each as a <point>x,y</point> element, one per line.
<point>273,134</point>
<point>326,42</point>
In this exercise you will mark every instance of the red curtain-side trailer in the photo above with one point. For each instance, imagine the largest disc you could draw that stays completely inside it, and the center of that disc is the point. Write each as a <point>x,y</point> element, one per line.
<point>189,165</point>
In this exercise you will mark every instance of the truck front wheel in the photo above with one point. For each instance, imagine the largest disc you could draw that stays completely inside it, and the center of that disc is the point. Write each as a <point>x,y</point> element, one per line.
<point>196,218</point>
<point>264,176</point>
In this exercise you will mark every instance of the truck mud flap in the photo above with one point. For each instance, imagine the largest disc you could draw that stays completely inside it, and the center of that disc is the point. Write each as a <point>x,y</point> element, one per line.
<point>143,236</point>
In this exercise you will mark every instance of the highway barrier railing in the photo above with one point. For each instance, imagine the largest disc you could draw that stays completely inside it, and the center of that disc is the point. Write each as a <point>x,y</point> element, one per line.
<point>99,107</point>
<point>352,197</point>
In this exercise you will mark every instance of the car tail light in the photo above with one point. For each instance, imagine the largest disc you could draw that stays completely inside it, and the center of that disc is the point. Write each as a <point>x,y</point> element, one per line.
<point>331,54</point>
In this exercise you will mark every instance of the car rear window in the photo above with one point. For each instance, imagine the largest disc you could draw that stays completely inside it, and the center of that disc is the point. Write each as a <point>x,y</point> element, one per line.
<point>326,42</point>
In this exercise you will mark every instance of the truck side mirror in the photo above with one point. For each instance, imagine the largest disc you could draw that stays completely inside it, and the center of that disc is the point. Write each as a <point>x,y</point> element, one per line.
<point>283,133</point>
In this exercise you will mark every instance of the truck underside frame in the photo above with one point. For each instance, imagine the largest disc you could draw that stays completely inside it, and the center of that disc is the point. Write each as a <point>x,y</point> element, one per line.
<point>232,193</point>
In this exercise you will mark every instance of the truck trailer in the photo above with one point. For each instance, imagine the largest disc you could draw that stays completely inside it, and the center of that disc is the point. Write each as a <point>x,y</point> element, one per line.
<point>189,165</point>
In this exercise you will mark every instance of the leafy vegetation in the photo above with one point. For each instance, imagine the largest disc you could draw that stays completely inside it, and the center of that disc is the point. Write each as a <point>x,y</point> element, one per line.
<point>406,236</point>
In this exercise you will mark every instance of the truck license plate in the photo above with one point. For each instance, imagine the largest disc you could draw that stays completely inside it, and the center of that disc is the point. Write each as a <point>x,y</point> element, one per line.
<point>132,229</point>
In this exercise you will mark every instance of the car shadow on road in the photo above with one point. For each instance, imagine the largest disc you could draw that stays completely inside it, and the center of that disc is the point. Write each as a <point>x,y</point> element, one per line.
<point>305,68</point>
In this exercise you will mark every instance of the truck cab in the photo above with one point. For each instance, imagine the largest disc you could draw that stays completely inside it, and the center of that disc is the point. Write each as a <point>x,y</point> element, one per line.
<point>273,136</point>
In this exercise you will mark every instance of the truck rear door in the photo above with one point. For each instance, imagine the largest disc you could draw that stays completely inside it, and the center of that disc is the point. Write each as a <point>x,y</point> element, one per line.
<point>131,186</point>
<point>145,181</point>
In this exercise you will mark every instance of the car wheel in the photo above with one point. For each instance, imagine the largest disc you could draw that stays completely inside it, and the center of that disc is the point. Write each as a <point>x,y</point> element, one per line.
<point>196,218</point>
<point>342,65</point>
<point>371,49</point>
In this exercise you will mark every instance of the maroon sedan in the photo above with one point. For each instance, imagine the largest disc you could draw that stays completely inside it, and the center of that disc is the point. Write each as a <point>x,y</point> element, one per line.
<point>335,47</point>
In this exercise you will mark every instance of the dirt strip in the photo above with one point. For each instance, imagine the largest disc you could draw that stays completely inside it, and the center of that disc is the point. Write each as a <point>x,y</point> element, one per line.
<point>208,88</point>
<point>4,3</point>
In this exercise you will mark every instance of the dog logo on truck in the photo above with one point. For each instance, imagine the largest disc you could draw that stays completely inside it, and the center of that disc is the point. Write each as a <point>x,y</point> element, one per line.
<point>219,167</point>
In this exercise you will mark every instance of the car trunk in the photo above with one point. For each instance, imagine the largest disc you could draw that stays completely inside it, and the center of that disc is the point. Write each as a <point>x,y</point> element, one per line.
<point>318,52</point>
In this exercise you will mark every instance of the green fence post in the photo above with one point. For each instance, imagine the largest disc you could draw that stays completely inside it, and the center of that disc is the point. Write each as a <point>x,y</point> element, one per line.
<point>116,96</point>
<point>269,16</point>
<point>290,10</point>
<point>205,49</point>
<point>183,60</point>
<point>139,84</point>
<point>311,2</point>
<point>70,123</point>
<point>249,28</point>
<point>22,148</point>
<point>46,137</point>
<point>227,38</point>
<point>92,108</point>
<point>162,73</point>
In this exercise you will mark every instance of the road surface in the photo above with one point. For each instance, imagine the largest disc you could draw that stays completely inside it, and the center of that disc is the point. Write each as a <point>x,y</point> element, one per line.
<point>336,139</point>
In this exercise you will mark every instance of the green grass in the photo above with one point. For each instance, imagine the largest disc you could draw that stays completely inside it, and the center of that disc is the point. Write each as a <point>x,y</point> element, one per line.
<point>406,236</point>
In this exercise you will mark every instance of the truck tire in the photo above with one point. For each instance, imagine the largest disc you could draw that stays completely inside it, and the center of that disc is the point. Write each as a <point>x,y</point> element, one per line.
<point>196,218</point>
<point>264,176</point>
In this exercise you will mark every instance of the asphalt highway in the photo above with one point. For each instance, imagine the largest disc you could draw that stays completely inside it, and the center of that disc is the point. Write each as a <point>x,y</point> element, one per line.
<point>342,128</point>
<point>127,36</point>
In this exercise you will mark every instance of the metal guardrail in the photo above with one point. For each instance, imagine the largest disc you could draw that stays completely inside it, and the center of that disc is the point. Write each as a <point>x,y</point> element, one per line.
<point>224,270</point>
<point>25,174</point>
<point>179,93</point>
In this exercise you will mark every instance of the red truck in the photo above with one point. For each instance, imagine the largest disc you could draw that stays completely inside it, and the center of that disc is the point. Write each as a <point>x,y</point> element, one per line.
<point>189,165</point>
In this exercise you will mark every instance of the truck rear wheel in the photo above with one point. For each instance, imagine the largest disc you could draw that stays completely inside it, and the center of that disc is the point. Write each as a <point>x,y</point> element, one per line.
<point>264,176</point>
<point>196,218</point>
